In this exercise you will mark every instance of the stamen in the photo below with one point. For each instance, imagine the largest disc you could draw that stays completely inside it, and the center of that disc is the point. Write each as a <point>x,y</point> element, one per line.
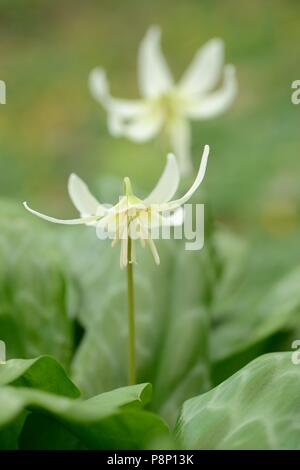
<point>154,251</point>
<point>124,244</point>
<point>143,235</point>
<point>133,258</point>
<point>121,256</point>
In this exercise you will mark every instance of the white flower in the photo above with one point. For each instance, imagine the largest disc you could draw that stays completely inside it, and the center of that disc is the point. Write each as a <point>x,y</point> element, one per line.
<point>132,217</point>
<point>165,106</point>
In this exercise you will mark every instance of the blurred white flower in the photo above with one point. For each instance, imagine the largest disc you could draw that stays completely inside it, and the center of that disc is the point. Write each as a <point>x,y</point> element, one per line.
<point>165,106</point>
<point>132,217</point>
<point>2,352</point>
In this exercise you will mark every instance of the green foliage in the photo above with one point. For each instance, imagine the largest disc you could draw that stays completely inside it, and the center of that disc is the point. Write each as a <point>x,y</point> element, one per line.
<point>257,408</point>
<point>201,317</point>
<point>205,313</point>
<point>269,313</point>
<point>39,410</point>
<point>168,303</point>
<point>113,420</point>
<point>43,373</point>
<point>36,291</point>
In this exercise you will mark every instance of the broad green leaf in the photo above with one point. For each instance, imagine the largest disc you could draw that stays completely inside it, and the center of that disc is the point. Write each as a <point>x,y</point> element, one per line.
<point>37,295</point>
<point>113,420</point>
<point>41,432</point>
<point>2,352</point>
<point>9,434</point>
<point>43,373</point>
<point>256,408</point>
<point>171,323</point>
<point>167,299</point>
<point>243,326</point>
<point>255,300</point>
<point>192,303</point>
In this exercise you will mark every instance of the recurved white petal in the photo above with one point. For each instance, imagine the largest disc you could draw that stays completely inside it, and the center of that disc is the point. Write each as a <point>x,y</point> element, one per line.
<point>99,86</point>
<point>108,226</point>
<point>169,206</point>
<point>121,112</point>
<point>167,184</point>
<point>204,72</point>
<point>212,104</point>
<point>82,220</point>
<point>82,198</point>
<point>180,134</point>
<point>153,72</point>
<point>143,127</point>
<point>128,108</point>
<point>117,108</point>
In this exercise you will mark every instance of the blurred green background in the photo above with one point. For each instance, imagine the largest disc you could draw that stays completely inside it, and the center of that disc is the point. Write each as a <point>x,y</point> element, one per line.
<point>51,126</point>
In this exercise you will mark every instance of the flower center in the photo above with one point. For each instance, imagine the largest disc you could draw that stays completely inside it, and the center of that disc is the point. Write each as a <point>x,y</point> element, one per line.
<point>169,104</point>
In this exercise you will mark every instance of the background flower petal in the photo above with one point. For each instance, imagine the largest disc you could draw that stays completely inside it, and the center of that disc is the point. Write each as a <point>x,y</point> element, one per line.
<point>143,127</point>
<point>217,102</point>
<point>180,135</point>
<point>98,85</point>
<point>154,74</point>
<point>204,72</point>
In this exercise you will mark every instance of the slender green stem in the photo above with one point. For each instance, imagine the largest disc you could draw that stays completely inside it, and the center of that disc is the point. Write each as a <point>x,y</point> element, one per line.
<point>131,324</point>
